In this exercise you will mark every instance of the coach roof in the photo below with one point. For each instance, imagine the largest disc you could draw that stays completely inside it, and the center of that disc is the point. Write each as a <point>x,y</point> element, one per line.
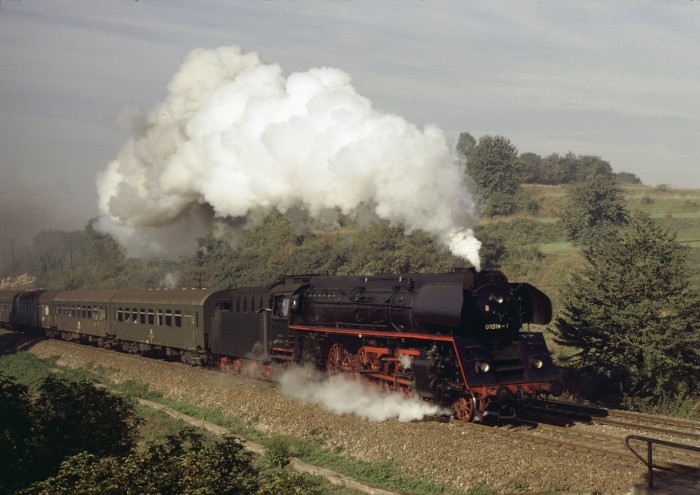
<point>194,297</point>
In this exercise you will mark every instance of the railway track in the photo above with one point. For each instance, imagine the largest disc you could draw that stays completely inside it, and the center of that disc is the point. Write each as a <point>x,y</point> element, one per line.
<point>571,429</point>
<point>674,429</point>
<point>605,445</point>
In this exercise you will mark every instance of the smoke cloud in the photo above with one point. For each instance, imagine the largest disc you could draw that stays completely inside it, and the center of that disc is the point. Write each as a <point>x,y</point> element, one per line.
<point>235,139</point>
<point>341,395</point>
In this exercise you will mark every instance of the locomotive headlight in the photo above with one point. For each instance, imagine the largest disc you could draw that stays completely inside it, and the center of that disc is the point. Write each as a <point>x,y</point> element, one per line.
<point>483,366</point>
<point>495,298</point>
<point>537,364</point>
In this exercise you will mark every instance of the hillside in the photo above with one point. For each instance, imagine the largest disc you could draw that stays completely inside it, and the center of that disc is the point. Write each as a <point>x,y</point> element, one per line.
<point>541,254</point>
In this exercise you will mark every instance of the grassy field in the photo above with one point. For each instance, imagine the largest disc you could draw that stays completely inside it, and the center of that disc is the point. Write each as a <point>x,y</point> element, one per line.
<point>676,209</point>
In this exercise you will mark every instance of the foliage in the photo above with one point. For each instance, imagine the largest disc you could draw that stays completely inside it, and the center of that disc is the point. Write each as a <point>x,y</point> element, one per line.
<point>278,453</point>
<point>562,169</point>
<point>88,259</point>
<point>628,178</point>
<point>493,248</point>
<point>465,144</point>
<point>492,165</point>
<point>631,316</point>
<point>276,247</point>
<point>183,464</point>
<point>65,419</point>
<point>15,435</point>
<point>594,212</point>
<point>72,417</point>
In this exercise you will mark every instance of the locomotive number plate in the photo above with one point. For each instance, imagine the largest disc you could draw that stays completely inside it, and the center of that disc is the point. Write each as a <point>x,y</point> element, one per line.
<point>496,326</point>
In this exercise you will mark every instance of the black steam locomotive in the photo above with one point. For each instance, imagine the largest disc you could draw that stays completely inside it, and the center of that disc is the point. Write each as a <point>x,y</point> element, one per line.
<point>455,339</point>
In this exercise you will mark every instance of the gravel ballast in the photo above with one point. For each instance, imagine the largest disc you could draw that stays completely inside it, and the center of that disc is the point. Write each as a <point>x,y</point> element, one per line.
<point>441,452</point>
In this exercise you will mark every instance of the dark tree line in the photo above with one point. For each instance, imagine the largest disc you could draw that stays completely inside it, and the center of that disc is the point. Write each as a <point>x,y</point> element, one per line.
<point>497,171</point>
<point>37,433</point>
<point>87,259</point>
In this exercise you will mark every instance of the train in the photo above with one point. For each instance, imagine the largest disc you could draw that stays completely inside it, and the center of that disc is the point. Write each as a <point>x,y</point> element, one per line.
<point>456,339</point>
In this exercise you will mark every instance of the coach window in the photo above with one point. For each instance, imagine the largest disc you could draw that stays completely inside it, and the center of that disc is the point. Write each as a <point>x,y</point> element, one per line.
<point>238,304</point>
<point>120,314</point>
<point>245,304</point>
<point>160,317</point>
<point>196,319</point>
<point>168,318</point>
<point>142,316</point>
<point>88,312</point>
<point>178,318</point>
<point>151,317</point>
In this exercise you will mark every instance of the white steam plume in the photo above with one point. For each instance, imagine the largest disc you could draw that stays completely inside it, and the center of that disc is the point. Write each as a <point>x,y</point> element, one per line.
<point>235,139</point>
<point>341,395</point>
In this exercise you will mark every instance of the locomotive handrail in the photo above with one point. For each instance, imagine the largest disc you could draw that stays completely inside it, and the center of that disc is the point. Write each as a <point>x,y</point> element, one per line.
<point>681,469</point>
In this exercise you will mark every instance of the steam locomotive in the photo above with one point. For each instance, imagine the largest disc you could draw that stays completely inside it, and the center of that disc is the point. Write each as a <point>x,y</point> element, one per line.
<point>455,339</point>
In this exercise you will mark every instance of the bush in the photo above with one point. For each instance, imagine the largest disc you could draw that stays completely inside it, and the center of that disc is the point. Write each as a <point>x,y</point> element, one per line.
<point>183,464</point>
<point>65,419</point>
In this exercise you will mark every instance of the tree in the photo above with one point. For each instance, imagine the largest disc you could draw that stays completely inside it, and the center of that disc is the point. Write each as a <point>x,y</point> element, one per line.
<point>564,169</point>
<point>72,417</point>
<point>183,464</point>
<point>465,144</point>
<point>494,167</point>
<point>531,168</point>
<point>628,178</point>
<point>38,433</point>
<point>632,318</point>
<point>594,212</point>
<point>15,435</point>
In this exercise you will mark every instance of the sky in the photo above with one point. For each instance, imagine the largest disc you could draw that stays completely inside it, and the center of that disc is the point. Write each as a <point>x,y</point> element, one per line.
<point>616,79</point>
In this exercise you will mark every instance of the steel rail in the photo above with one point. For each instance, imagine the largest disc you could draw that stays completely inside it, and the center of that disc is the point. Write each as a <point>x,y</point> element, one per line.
<point>613,440</point>
<point>623,419</point>
<point>573,446</point>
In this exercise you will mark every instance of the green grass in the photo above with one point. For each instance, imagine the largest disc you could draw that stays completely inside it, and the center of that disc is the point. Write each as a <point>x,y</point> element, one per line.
<point>560,248</point>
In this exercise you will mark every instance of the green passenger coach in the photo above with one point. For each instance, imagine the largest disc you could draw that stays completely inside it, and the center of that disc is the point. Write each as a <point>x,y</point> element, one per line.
<point>174,322</point>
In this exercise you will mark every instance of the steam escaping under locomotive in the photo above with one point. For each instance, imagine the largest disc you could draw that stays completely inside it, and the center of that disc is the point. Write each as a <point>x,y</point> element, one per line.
<point>455,339</point>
